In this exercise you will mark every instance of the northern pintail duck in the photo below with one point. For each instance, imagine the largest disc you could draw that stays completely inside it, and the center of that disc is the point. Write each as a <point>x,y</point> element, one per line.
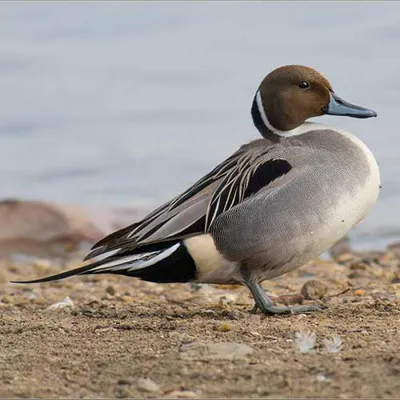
<point>275,204</point>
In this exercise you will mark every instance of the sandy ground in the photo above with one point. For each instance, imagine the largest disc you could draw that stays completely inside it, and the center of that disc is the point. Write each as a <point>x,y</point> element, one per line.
<point>119,337</point>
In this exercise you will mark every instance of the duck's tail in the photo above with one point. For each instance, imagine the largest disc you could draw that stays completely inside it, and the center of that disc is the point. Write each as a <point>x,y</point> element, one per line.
<point>164,263</point>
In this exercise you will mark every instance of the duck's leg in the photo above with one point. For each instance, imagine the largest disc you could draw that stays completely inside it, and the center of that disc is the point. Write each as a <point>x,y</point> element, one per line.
<point>265,304</point>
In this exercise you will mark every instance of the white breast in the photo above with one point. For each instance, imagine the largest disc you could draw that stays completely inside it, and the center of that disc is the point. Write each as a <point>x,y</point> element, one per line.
<point>367,196</point>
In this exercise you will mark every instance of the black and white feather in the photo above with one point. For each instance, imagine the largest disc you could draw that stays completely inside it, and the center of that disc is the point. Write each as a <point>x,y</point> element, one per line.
<point>153,249</point>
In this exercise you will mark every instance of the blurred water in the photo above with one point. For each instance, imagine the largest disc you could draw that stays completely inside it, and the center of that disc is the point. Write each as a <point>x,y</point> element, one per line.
<point>126,104</point>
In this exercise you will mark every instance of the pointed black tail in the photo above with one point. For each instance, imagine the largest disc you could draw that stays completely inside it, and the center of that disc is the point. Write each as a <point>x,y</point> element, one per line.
<point>170,262</point>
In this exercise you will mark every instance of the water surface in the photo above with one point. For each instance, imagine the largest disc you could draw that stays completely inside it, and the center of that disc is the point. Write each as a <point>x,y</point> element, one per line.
<point>125,104</point>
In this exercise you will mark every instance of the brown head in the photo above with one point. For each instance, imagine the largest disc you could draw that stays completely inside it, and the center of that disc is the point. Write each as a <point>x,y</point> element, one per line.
<point>291,94</point>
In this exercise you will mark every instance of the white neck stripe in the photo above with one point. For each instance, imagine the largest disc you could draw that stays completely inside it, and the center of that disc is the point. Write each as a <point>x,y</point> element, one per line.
<point>261,110</point>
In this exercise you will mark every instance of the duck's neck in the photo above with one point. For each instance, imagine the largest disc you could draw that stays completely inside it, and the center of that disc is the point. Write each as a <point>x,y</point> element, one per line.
<point>261,122</point>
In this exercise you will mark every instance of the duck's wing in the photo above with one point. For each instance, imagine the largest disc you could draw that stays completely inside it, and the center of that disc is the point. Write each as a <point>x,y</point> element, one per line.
<point>248,170</point>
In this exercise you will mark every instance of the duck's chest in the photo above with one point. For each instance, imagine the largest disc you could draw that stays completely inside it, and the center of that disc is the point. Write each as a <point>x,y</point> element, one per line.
<point>359,173</point>
<point>345,181</point>
<point>337,190</point>
<point>370,184</point>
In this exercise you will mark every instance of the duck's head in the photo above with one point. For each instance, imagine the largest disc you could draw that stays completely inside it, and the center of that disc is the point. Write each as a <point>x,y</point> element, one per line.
<point>291,94</point>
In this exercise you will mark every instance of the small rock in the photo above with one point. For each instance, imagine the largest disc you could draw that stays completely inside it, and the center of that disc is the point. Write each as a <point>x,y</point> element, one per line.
<point>31,295</point>
<point>313,290</point>
<point>344,258</point>
<point>123,392</point>
<point>349,299</point>
<point>224,327</point>
<point>124,382</point>
<point>360,292</point>
<point>210,313</point>
<point>196,286</point>
<point>358,265</point>
<point>45,229</point>
<point>110,290</point>
<point>60,305</point>
<point>42,263</point>
<point>127,299</point>
<point>147,385</point>
<point>301,316</point>
<point>184,394</point>
<point>322,378</point>
<point>234,315</point>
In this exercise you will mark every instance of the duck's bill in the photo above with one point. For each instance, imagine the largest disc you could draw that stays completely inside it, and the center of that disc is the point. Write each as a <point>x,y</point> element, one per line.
<point>338,106</point>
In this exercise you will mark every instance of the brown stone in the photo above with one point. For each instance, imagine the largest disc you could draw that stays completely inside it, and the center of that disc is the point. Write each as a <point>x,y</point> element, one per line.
<point>313,290</point>
<point>45,229</point>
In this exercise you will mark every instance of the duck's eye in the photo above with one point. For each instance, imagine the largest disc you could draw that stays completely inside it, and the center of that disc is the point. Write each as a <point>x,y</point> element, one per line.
<point>304,85</point>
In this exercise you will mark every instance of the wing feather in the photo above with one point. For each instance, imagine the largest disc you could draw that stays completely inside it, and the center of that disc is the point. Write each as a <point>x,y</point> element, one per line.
<point>193,212</point>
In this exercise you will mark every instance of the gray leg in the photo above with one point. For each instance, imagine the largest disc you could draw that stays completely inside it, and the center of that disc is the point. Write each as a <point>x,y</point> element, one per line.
<point>265,304</point>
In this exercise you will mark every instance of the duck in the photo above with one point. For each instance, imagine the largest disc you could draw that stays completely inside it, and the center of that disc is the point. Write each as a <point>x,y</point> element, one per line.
<point>274,205</point>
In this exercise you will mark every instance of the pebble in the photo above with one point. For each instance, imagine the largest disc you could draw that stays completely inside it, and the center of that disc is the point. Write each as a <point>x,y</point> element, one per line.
<point>60,305</point>
<point>314,290</point>
<point>349,299</point>
<point>360,292</point>
<point>344,258</point>
<point>322,378</point>
<point>396,279</point>
<point>124,382</point>
<point>127,299</point>
<point>110,290</point>
<point>41,263</point>
<point>224,327</point>
<point>147,385</point>
<point>183,394</point>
